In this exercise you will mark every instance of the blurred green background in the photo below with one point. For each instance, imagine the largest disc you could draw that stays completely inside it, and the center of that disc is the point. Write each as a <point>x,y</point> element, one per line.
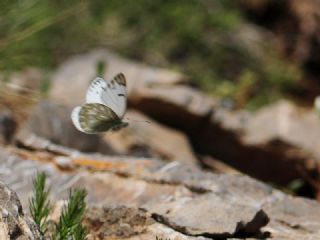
<point>215,42</point>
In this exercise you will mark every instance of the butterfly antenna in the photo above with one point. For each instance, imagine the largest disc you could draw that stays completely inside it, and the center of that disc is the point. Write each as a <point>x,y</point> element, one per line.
<point>134,120</point>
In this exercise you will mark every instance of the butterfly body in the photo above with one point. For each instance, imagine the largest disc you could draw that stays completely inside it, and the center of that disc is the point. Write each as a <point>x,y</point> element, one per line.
<point>104,108</point>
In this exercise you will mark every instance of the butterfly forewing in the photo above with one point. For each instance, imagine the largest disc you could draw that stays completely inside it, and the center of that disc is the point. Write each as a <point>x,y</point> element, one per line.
<point>95,90</point>
<point>111,93</point>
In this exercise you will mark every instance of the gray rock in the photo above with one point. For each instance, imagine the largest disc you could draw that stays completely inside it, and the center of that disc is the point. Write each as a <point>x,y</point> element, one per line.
<point>179,201</point>
<point>28,80</point>
<point>53,122</point>
<point>147,138</point>
<point>8,126</point>
<point>275,144</point>
<point>117,221</point>
<point>143,137</point>
<point>280,140</point>
<point>79,71</point>
<point>13,223</point>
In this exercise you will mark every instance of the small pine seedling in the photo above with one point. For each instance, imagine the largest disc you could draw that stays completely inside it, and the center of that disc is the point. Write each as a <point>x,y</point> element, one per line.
<point>101,68</point>
<point>39,205</point>
<point>69,226</point>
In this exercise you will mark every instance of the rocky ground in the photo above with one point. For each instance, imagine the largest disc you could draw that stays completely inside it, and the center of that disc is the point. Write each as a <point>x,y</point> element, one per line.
<point>140,198</point>
<point>183,169</point>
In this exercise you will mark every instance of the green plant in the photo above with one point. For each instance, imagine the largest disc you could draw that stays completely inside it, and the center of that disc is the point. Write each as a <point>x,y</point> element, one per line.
<point>33,32</point>
<point>202,38</point>
<point>39,205</point>
<point>69,225</point>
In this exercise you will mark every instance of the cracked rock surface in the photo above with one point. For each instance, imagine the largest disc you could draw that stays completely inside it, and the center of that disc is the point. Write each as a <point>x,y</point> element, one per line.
<point>141,198</point>
<point>275,144</point>
<point>13,223</point>
<point>146,181</point>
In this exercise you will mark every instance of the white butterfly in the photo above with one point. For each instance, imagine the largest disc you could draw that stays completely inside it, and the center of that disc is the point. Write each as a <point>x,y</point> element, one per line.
<point>104,108</point>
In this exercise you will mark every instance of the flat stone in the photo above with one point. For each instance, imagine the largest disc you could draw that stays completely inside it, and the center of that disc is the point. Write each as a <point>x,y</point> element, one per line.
<point>13,223</point>
<point>79,71</point>
<point>186,201</point>
<point>146,137</point>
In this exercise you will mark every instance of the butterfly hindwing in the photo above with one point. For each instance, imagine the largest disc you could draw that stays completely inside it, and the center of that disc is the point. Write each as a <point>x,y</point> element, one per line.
<point>111,93</point>
<point>95,117</point>
<point>75,118</point>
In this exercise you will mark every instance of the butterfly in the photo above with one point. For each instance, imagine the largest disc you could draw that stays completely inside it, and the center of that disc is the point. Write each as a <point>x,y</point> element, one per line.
<point>104,108</point>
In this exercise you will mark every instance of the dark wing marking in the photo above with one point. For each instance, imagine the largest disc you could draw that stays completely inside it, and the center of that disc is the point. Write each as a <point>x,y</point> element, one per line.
<point>120,79</point>
<point>116,94</point>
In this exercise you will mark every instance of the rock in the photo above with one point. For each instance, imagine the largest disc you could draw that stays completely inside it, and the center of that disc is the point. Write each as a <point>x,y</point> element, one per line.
<point>81,70</point>
<point>169,200</point>
<point>27,81</point>
<point>8,126</point>
<point>118,221</point>
<point>146,137</point>
<point>177,103</point>
<point>13,223</point>
<point>288,135</point>
<point>282,223</point>
<point>287,122</point>
<point>196,218</point>
<point>264,145</point>
<point>219,132</point>
<point>52,121</point>
<point>16,102</point>
<point>238,138</point>
<point>143,137</point>
<point>218,166</point>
